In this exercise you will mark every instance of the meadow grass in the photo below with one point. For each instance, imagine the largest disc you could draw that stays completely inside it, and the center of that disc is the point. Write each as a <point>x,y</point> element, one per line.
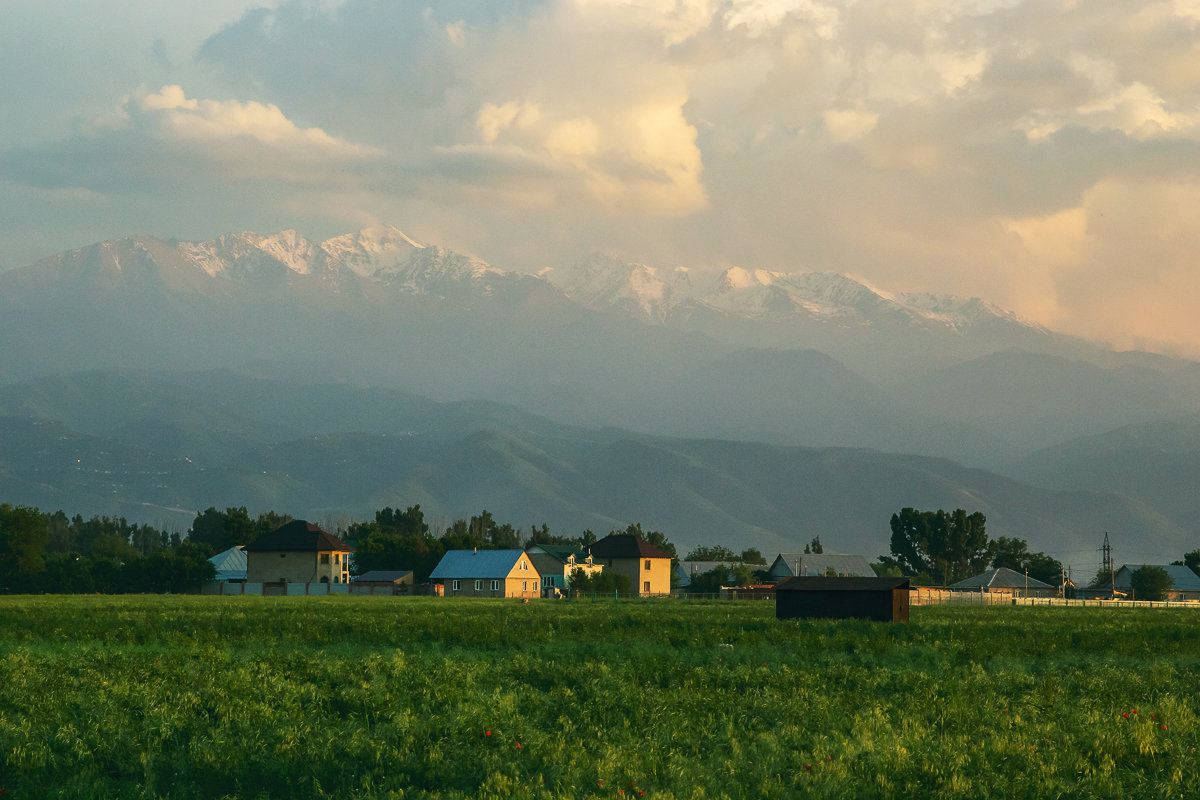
<point>427,697</point>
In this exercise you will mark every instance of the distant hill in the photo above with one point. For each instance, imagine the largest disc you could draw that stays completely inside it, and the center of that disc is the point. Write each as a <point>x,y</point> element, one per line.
<point>335,452</point>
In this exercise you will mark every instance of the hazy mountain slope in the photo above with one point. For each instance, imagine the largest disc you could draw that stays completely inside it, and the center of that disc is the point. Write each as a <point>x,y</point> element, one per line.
<point>1035,400</point>
<point>1157,464</point>
<point>456,459</point>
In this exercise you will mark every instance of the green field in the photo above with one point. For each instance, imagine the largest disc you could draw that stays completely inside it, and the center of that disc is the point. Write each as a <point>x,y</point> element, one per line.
<point>424,697</point>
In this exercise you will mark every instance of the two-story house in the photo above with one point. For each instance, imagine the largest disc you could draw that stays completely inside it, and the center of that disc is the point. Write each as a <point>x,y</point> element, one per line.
<point>299,552</point>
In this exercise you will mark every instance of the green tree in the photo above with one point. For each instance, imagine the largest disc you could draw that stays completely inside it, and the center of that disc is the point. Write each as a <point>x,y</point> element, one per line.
<point>814,546</point>
<point>23,536</point>
<point>221,530</point>
<point>599,582</point>
<point>713,553</point>
<point>1150,583</point>
<point>1191,560</point>
<point>949,546</point>
<point>396,540</point>
<point>752,555</point>
<point>1014,554</point>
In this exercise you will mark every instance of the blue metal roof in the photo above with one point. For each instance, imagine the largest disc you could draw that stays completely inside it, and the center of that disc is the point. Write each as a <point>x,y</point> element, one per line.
<point>479,564</point>
<point>1184,580</point>
<point>230,564</point>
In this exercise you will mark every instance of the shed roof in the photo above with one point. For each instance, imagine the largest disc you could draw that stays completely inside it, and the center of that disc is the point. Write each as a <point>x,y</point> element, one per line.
<point>477,564</point>
<point>809,584</point>
<point>816,564</point>
<point>1182,578</point>
<point>1000,578</point>
<point>297,536</point>
<point>626,545</point>
<point>382,575</point>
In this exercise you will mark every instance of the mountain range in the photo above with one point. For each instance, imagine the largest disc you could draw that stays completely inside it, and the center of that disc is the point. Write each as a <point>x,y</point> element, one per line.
<point>758,408</point>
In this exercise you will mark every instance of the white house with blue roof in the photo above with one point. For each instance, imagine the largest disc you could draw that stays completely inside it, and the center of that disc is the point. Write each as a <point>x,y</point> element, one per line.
<point>486,573</point>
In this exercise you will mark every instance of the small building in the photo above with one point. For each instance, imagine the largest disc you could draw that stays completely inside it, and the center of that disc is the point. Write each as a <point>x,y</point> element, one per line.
<point>556,562</point>
<point>647,567</point>
<point>1185,584</point>
<point>881,599</point>
<point>486,573</point>
<point>1005,581</point>
<point>819,565</point>
<point>383,582</point>
<point>299,552</point>
<point>230,565</point>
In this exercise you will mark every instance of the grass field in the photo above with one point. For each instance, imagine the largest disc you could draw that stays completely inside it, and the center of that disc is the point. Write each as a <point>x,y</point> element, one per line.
<point>387,697</point>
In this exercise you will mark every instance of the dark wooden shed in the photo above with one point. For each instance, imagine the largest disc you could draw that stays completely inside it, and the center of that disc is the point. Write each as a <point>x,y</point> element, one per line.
<point>883,599</point>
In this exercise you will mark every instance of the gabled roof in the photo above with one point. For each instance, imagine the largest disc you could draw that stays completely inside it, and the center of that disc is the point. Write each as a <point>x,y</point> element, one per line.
<point>560,551</point>
<point>382,575</point>
<point>816,564</point>
<point>626,545</point>
<point>230,564</point>
<point>842,584</point>
<point>297,536</point>
<point>1000,578</point>
<point>1182,578</point>
<point>478,564</point>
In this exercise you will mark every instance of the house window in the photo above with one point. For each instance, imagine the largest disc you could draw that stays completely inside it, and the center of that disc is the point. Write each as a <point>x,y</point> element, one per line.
<point>523,565</point>
<point>335,579</point>
<point>647,563</point>
<point>495,586</point>
<point>324,558</point>
<point>646,587</point>
<point>547,581</point>
<point>324,579</point>
<point>337,558</point>
<point>454,585</point>
<point>478,585</point>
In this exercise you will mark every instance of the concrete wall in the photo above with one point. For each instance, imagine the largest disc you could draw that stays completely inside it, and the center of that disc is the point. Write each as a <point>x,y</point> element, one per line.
<point>298,567</point>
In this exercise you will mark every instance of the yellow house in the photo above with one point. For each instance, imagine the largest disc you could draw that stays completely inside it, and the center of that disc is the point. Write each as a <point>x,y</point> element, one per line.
<point>299,552</point>
<point>487,573</point>
<point>556,564</point>
<point>647,567</point>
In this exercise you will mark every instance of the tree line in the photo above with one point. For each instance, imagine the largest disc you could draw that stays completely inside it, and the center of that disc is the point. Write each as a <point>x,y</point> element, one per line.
<point>43,552</point>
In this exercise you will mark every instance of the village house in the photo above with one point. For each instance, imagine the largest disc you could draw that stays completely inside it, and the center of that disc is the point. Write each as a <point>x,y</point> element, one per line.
<point>556,562</point>
<point>819,565</point>
<point>647,567</point>
<point>1185,584</point>
<point>383,582</point>
<point>230,565</point>
<point>486,573</point>
<point>299,552</point>
<point>1003,580</point>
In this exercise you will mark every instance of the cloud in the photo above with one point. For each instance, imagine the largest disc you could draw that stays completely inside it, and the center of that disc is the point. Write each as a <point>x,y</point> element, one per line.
<point>943,145</point>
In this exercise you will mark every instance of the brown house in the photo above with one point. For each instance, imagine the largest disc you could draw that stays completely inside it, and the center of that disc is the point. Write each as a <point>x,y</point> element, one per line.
<point>299,552</point>
<point>647,567</point>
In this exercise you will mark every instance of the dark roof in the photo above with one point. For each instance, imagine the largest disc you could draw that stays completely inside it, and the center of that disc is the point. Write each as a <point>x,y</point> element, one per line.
<point>382,575</point>
<point>625,545</point>
<point>842,584</point>
<point>297,536</point>
<point>560,551</point>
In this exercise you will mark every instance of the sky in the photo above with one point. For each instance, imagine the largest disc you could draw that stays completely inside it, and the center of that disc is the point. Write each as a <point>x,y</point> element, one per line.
<point>1041,154</point>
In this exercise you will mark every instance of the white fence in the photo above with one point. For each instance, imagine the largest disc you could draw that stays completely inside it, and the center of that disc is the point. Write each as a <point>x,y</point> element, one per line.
<point>923,596</point>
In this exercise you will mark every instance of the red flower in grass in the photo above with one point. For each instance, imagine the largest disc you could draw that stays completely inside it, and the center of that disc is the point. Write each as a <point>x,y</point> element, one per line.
<point>518,745</point>
<point>808,767</point>
<point>1125,715</point>
<point>487,733</point>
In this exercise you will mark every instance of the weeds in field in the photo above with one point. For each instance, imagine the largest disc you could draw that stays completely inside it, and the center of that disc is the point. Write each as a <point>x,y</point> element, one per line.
<point>364,697</point>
